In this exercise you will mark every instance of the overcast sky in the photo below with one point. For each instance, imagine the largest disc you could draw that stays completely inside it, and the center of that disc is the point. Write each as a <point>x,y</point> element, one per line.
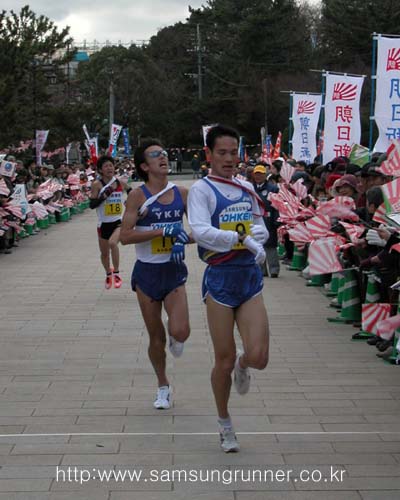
<point>112,20</point>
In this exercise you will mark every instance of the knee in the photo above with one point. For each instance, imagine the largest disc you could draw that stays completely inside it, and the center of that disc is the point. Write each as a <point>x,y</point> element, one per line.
<point>257,359</point>
<point>113,245</point>
<point>157,342</point>
<point>225,363</point>
<point>104,254</point>
<point>180,333</point>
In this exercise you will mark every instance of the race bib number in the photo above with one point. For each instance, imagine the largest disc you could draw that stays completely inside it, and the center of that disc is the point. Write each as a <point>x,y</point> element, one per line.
<point>161,245</point>
<point>238,227</point>
<point>113,209</point>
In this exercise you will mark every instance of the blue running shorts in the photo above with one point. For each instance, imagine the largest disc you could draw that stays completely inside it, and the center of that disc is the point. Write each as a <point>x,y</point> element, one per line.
<point>232,286</point>
<point>158,280</point>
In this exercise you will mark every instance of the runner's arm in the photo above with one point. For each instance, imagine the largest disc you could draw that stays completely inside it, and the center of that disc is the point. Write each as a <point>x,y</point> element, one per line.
<point>203,232</point>
<point>129,234</point>
<point>94,199</point>
<point>184,194</point>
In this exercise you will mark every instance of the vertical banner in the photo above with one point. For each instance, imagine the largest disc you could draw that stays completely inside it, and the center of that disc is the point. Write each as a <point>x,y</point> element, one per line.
<point>125,135</point>
<point>115,131</point>
<point>387,103</point>
<point>277,150</point>
<point>241,149</point>
<point>41,138</point>
<point>267,150</point>
<point>342,115</point>
<point>306,109</point>
<point>67,150</point>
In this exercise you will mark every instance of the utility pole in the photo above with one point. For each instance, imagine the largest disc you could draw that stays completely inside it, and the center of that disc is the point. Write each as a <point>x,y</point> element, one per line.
<point>199,64</point>
<point>111,106</point>
<point>264,82</point>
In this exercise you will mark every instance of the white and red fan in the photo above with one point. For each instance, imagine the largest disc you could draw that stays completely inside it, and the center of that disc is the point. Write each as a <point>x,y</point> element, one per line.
<point>322,257</point>
<point>4,191</point>
<point>300,233</point>
<point>287,172</point>
<point>353,231</point>
<point>300,189</point>
<point>391,191</point>
<point>319,226</point>
<point>385,328</point>
<point>391,166</point>
<point>371,315</point>
<point>379,215</point>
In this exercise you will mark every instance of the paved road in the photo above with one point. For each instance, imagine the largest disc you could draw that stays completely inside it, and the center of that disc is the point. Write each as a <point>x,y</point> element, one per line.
<point>76,390</point>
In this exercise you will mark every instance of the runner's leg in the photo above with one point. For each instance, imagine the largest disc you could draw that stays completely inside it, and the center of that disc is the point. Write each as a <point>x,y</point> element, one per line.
<point>176,306</point>
<point>151,312</point>
<point>105,254</point>
<point>221,323</point>
<point>113,242</point>
<point>252,322</point>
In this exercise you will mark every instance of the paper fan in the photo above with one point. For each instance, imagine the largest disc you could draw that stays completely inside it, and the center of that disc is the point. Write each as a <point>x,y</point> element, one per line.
<point>322,257</point>
<point>287,172</point>
<point>372,314</point>
<point>319,226</point>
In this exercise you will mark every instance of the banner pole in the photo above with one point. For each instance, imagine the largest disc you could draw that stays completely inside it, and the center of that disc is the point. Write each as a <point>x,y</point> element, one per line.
<point>290,124</point>
<point>373,87</point>
<point>322,115</point>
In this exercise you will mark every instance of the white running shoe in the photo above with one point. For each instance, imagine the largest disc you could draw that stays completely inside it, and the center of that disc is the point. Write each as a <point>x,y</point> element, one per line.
<point>241,377</point>
<point>229,442</point>
<point>163,399</point>
<point>175,347</point>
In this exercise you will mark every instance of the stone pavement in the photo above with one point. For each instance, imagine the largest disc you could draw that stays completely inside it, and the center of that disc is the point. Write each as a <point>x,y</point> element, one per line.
<point>76,390</point>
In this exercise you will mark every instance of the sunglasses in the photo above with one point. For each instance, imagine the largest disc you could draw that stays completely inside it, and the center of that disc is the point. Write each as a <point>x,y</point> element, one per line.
<point>157,154</point>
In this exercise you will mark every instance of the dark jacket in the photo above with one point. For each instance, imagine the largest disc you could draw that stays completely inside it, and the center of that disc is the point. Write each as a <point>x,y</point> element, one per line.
<point>271,214</point>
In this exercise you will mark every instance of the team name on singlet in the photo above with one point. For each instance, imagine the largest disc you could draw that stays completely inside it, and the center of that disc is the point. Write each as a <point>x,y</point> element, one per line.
<point>237,217</point>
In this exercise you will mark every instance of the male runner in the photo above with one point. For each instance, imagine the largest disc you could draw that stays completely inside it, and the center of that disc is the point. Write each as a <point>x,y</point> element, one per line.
<point>106,197</point>
<point>153,222</point>
<point>225,216</point>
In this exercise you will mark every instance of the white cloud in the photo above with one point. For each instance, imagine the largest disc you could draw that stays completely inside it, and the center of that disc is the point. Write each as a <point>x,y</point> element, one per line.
<point>103,20</point>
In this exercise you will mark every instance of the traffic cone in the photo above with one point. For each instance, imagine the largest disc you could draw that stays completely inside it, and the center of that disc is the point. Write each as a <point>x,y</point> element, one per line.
<point>318,280</point>
<point>337,301</point>
<point>371,297</point>
<point>281,250</point>
<point>351,303</point>
<point>299,260</point>
<point>334,286</point>
<point>394,358</point>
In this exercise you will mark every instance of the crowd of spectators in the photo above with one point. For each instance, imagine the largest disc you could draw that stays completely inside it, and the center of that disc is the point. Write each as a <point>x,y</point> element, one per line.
<point>373,251</point>
<point>30,193</point>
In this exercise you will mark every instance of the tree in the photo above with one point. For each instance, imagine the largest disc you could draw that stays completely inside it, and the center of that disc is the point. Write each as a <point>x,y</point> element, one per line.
<point>346,29</point>
<point>32,52</point>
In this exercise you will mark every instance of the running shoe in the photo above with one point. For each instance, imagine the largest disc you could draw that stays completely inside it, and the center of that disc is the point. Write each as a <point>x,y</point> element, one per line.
<point>117,281</point>
<point>241,376</point>
<point>229,442</point>
<point>175,347</point>
<point>108,282</point>
<point>162,401</point>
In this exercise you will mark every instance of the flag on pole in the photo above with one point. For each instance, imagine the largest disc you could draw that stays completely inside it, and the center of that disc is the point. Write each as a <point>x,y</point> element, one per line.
<point>306,111</point>
<point>127,146</point>
<point>359,155</point>
<point>41,138</point>
<point>342,115</point>
<point>387,103</point>
<point>277,150</point>
<point>391,166</point>
<point>114,135</point>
